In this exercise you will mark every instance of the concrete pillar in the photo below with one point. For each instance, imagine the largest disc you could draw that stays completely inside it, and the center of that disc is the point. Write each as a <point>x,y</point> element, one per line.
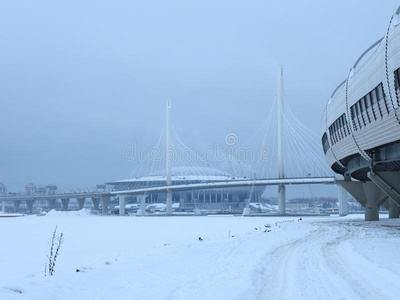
<point>65,203</point>
<point>246,211</point>
<point>122,203</point>
<point>368,195</point>
<point>105,199</point>
<point>393,209</point>
<point>343,204</point>
<point>16,204</point>
<point>29,205</point>
<point>389,182</point>
<point>282,199</point>
<point>51,203</point>
<point>168,203</point>
<point>81,202</point>
<point>96,203</point>
<point>142,200</point>
<point>3,206</point>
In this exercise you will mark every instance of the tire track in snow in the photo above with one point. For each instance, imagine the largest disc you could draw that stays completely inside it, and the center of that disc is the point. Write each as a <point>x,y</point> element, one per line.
<point>368,280</point>
<point>322,265</point>
<point>297,270</point>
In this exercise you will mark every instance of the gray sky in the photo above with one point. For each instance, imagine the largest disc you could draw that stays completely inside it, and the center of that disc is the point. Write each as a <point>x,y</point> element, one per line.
<point>80,80</point>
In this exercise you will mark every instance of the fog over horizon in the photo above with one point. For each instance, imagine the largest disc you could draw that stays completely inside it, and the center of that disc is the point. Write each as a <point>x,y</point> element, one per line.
<point>82,80</point>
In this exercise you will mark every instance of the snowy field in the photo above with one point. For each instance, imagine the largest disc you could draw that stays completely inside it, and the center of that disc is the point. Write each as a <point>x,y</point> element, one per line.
<point>162,258</point>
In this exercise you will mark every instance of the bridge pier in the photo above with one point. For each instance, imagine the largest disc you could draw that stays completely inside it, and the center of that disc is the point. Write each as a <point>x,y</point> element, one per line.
<point>105,199</point>
<point>368,195</point>
<point>343,205</point>
<point>282,199</point>
<point>29,205</point>
<point>96,203</point>
<point>142,210</point>
<point>65,203</point>
<point>122,203</point>
<point>16,204</point>
<point>169,203</point>
<point>81,202</point>
<point>51,203</point>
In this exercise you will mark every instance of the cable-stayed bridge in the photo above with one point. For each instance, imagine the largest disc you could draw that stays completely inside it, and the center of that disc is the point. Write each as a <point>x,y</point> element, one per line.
<point>281,152</point>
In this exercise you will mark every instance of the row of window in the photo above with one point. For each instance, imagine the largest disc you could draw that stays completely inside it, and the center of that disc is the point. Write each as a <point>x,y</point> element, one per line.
<point>339,129</point>
<point>369,108</point>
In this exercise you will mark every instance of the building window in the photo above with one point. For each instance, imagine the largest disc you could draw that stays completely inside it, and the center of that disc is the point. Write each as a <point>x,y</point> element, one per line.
<point>381,96</point>
<point>367,101</point>
<point>358,114</point>
<point>397,85</point>
<point>325,144</point>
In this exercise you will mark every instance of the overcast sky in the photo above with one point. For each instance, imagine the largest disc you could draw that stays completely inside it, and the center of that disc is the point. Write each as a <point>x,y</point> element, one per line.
<point>80,80</point>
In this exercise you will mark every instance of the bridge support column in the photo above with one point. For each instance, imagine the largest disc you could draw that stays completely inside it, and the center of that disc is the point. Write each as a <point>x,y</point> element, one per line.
<point>51,203</point>
<point>142,210</point>
<point>282,199</point>
<point>343,205</point>
<point>81,202</point>
<point>105,199</point>
<point>368,195</point>
<point>16,204</point>
<point>65,203</point>
<point>29,205</point>
<point>121,203</point>
<point>169,203</point>
<point>96,203</point>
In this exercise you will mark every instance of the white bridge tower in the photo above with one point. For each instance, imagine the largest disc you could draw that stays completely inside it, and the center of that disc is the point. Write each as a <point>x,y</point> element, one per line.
<point>281,132</point>
<point>168,169</point>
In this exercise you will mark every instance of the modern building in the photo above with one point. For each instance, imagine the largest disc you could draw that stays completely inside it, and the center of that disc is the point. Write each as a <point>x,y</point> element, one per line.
<point>361,126</point>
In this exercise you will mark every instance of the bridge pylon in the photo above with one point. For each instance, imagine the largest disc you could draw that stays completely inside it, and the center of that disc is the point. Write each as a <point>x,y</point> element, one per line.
<point>281,132</point>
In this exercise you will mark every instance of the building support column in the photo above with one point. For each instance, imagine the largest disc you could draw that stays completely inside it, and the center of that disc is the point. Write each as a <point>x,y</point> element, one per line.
<point>65,203</point>
<point>368,195</point>
<point>3,206</point>
<point>343,204</point>
<point>96,203</point>
<point>122,204</point>
<point>81,202</point>
<point>389,182</point>
<point>16,204</point>
<point>51,204</point>
<point>393,209</point>
<point>105,199</point>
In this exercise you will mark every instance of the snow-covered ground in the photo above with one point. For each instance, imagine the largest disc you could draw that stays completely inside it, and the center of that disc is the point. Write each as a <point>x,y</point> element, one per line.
<point>238,258</point>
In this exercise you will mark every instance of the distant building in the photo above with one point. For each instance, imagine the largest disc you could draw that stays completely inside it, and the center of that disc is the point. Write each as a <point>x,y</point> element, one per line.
<point>51,189</point>
<point>228,199</point>
<point>3,189</point>
<point>30,189</point>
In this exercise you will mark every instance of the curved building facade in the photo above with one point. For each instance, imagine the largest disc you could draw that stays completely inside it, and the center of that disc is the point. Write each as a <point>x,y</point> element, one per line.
<point>361,122</point>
